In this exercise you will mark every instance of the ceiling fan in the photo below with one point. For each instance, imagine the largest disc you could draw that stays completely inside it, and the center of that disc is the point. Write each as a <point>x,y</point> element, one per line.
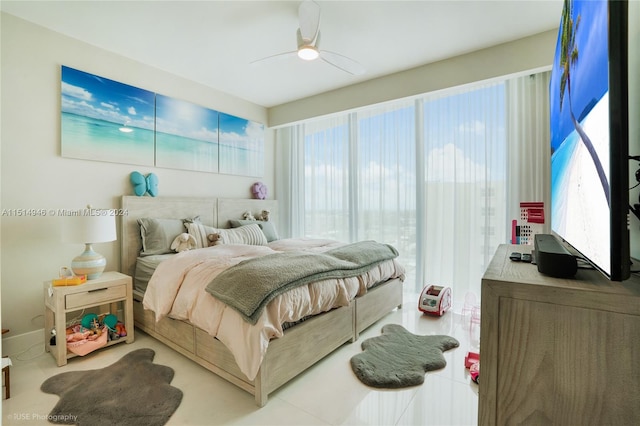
<point>308,35</point>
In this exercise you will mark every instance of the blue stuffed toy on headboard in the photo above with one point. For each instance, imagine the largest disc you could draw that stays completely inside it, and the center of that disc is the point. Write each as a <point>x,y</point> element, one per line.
<point>143,185</point>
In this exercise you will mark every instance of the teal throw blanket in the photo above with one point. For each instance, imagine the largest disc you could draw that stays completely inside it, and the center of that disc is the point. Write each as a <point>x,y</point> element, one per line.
<point>248,286</point>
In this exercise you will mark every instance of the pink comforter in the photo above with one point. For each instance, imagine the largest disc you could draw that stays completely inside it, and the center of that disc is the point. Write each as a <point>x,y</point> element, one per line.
<point>177,290</point>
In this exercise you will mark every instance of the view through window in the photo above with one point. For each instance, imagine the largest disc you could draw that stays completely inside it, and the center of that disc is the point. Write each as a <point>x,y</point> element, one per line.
<point>427,176</point>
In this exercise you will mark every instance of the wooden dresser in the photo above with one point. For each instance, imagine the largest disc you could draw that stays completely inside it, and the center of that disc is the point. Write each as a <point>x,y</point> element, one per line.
<point>557,351</point>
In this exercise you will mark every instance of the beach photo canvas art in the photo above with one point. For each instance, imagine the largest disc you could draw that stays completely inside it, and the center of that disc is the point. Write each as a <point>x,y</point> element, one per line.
<point>241,146</point>
<point>105,120</point>
<point>186,135</point>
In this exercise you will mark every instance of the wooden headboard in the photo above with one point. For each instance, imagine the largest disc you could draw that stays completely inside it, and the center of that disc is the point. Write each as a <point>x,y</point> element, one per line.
<point>214,212</point>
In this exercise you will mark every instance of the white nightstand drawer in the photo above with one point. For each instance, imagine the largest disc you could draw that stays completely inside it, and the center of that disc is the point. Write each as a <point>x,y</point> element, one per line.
<point>94,297</point>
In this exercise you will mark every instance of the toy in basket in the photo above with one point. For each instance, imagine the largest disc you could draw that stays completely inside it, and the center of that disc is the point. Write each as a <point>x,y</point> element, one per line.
<point>435,300</point>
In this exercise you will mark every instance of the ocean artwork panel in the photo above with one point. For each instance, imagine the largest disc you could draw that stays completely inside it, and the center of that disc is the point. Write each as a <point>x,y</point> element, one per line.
<point>241,146</point>
<point>105,120</point>
<point>186,135</point>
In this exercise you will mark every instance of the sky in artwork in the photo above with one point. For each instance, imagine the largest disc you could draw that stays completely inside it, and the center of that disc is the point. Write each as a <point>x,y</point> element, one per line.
<point>239,130</point>
<point>186,119</point>
<point>103,99</point>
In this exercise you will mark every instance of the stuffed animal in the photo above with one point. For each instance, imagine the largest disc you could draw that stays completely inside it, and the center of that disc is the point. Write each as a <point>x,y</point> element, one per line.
<point>248,216</point>
<point>264,216</point>
<point>214,239</point>
<point>183,242</point>
<point>259,190</point>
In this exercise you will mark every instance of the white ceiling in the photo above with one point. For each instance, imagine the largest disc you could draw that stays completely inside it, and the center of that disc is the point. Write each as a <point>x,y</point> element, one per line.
<point>214,42</point>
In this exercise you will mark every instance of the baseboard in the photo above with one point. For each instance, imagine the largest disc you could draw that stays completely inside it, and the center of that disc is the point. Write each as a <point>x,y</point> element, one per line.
<point>13,346</point>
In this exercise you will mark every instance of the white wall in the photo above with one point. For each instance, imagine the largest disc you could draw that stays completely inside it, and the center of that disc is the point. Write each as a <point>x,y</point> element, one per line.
<point>34,176</point>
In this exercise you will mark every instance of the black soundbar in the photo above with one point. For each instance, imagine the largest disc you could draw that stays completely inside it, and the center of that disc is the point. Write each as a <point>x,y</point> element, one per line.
<point>553,258</point>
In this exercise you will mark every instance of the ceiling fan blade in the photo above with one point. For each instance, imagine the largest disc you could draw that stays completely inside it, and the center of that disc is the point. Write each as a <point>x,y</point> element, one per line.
<point>275,57</point>
<point>342,62</point>
<point>309,16</point>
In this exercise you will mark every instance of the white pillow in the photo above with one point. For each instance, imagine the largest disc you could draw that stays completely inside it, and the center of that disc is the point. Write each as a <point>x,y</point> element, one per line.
<point>250,235</point>
<point>200,232</point>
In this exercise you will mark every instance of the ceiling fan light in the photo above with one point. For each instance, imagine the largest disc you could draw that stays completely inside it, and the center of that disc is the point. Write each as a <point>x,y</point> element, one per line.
<point>308,53</point>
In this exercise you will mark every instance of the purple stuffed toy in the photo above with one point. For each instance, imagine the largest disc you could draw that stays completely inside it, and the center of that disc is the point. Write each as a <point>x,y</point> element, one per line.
<point>259,190</point>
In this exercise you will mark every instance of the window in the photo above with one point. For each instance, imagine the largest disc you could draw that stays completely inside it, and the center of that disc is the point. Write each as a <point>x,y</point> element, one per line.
<point>431,176</point>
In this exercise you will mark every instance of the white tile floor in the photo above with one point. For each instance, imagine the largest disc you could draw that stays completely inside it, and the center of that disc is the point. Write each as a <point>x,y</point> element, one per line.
<point>326,394</point>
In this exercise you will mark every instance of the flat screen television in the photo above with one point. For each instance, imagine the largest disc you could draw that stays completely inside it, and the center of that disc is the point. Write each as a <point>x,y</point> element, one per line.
<point>588,97</point>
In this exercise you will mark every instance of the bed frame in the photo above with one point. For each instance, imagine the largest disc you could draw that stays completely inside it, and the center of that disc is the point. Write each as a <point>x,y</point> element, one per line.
<point>301,346</point>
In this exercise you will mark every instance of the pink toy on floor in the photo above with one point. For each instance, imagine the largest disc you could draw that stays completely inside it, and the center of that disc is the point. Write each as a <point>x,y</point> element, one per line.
<point>472,362</point>
<point>471,358</point>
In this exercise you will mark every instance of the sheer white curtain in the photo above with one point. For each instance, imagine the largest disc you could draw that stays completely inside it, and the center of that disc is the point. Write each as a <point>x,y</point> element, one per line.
<point>431,176</point>
<point>359,178</point>
<point>290,180</point>
<point>528,150</point>
<point>327,179</point>
<point>385,145</point>
<point>465,184</point>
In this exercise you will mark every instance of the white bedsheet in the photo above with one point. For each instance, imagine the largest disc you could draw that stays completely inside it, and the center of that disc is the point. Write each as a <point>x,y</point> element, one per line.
<point>177,290</point>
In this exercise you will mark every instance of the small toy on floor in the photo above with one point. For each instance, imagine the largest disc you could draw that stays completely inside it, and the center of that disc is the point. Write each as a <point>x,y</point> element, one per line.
<point>435,300</point>
<point>471,358</point>
<point>474,370</point>
<point>472,362</point>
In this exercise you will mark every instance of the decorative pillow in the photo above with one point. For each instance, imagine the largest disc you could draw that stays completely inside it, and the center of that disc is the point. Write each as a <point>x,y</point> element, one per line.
<point>251,235</point>
<point>200,232</point>
<point>268,228</point>
<point>158,234</point>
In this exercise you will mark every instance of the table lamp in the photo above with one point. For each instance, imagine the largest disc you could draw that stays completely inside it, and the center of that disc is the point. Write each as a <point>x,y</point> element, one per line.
<point>89,226</point>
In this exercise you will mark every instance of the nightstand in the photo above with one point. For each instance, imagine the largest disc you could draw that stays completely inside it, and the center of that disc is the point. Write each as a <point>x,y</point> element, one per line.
<point>111,289</point>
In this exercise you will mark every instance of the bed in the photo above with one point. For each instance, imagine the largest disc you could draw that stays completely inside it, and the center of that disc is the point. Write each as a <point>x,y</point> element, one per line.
<point>285,357</point>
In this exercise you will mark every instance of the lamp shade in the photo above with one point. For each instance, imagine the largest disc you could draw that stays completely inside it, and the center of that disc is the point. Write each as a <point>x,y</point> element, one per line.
<point>92,226</point>
<point>88,227</point>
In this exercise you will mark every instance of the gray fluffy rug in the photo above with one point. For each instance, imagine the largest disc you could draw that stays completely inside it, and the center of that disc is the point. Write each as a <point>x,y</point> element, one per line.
<point>398,358</point>
<point>131,391</point>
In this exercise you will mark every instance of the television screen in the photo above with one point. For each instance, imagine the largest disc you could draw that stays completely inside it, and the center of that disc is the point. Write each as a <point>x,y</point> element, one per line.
<point>589,134</point>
